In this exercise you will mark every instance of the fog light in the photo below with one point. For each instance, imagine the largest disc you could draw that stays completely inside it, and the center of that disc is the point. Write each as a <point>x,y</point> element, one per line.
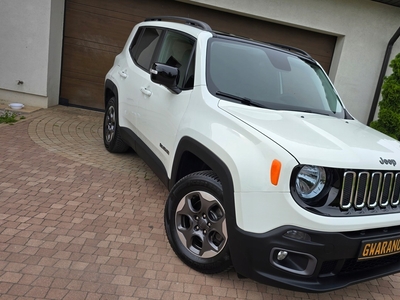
<point>297,235</point>
<point>292,261</point>
<point>281,255</point>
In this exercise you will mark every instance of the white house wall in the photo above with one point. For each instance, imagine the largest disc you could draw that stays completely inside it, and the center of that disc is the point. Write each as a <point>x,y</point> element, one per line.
<point>363,28</point>
<point>30,52</point>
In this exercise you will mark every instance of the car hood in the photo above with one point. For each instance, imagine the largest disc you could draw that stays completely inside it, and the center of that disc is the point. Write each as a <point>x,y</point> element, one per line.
<point>321,140</point>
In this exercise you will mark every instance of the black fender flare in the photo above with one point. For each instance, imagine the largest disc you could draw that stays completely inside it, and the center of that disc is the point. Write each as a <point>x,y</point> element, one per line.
<point>215,163</point>
<point>109,86</point>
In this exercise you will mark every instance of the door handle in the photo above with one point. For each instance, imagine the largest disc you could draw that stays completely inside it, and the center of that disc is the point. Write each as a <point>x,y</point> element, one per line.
<point>123,74</point>
<point>145,91</point>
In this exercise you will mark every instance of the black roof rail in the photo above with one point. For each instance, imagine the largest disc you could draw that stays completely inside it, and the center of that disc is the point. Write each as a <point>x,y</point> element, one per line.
<point>188,21</point>
<point>291,49</point>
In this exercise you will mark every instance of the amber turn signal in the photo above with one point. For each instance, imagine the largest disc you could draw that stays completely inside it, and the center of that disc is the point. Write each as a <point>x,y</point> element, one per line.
<point>275,171</point>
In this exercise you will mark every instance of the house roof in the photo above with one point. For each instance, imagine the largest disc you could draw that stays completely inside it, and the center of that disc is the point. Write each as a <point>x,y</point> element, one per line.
<point>389,2</point>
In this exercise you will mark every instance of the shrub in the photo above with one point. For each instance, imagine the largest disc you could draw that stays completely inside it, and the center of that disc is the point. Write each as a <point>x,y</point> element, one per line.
<point>389,108</point>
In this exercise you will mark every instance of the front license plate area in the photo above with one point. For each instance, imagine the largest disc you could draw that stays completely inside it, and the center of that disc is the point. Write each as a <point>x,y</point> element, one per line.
<point>379,247</point>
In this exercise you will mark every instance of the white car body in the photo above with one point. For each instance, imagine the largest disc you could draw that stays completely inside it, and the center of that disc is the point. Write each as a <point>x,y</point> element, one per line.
<point>247,139</point>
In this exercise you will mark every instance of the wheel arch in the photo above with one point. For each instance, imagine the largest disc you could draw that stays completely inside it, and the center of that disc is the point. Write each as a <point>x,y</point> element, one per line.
<point>192,156</point>
<point>110,90</point>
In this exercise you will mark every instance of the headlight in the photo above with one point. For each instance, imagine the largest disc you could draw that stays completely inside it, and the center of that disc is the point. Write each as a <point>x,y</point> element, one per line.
<point>316,189</point>
<point>310,181</point>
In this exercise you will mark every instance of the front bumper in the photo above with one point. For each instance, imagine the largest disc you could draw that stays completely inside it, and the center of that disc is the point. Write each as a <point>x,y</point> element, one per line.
<point>325,262</point>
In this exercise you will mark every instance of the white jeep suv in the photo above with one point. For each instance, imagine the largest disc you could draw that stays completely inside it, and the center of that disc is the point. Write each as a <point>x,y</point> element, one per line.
<point>267,170</point>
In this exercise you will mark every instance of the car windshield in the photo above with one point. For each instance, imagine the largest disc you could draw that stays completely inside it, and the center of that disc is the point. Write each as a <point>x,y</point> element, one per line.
<point>249,73</point>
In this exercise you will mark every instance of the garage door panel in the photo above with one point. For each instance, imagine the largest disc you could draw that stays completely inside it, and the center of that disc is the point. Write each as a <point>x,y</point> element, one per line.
<point>92,45</point>
<point>96,31</point>
<point>84,77</point>
<point>101,8</point>
<point>85,60</point>
<point>133,8</point>
<point>97,28</point>
<point>78,90</point>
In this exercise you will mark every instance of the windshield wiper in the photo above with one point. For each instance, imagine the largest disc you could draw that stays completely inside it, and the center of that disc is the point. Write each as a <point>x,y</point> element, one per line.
<point>312,111</point>
<point>242,100</point>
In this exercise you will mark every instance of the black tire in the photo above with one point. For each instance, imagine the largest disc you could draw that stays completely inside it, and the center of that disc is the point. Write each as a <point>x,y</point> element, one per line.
<point>111,131</point>
<point>195,222</point>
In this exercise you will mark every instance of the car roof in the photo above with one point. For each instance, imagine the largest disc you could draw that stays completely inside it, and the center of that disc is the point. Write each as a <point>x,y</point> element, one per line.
<point>202,26</point>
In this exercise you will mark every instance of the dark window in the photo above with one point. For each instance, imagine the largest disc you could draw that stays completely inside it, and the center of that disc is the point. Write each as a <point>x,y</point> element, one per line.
<point>272,78</point>
<point>144,45</point>
<point>177,50</point>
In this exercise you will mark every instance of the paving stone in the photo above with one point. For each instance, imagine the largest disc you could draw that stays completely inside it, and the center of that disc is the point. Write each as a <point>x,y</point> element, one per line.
<point>77,222</point>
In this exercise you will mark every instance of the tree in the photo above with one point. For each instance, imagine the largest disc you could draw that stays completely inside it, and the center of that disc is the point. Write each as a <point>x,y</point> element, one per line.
<point>389,108</point>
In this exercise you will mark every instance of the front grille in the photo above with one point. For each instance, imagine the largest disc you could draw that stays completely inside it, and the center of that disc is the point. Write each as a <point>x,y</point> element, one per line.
<point>370,190</point>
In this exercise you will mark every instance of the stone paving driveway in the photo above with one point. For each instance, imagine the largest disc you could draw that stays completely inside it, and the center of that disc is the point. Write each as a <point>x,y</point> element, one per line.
<point>77,222</point>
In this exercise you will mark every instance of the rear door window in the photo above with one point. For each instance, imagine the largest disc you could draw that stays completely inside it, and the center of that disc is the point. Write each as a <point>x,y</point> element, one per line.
<point>144,45</point>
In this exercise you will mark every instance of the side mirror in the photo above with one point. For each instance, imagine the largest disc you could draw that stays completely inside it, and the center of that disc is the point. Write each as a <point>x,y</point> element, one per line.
<point>165,75</point>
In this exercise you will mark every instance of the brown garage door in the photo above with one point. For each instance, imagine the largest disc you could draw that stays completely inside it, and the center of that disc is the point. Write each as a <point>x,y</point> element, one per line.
<point>96,31</point>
